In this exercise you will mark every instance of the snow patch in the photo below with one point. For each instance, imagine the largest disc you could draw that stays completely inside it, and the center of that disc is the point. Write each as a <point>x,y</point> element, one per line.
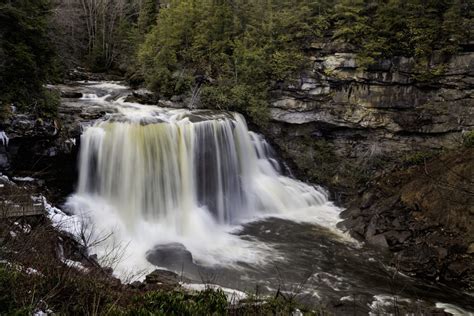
<point>32,271</point>
<point>233,296</point>
<point>75,264</point>
<point>24,179</point>
<point>67,223</point>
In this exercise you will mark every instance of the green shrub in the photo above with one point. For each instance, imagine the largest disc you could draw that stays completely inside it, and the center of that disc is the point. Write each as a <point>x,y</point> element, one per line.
<point>468,139</point>
<point>207,302</point>
<point>417,158</point>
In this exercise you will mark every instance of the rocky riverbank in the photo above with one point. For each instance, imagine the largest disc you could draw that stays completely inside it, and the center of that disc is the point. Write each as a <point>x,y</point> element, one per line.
<point>424,215</point>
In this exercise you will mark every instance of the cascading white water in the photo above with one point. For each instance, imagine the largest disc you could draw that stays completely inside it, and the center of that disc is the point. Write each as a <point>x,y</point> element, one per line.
<point>152,176</point>
<point>162,172</point>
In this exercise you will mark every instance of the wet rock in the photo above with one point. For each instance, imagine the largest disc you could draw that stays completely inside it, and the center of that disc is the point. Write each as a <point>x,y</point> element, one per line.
<point>456,269</point>
<point>172,256</point>
<point>71,94</point>
<point>162,277</point>
<point>142,96</point>
<point>351,212</point>
<point>136,285</point>
<point>356,227</point>
<point>368,199</point>
<point>378,241</point>
<point>397,237</point>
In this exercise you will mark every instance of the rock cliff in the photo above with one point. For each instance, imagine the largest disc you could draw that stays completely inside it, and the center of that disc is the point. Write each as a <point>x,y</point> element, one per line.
<point>338,123</point>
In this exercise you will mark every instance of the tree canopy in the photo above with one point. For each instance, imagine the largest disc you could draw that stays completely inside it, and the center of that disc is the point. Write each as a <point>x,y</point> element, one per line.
<point>234,51</point>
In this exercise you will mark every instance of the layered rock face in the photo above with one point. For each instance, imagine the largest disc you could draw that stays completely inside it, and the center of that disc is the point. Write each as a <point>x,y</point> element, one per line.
<point>346,120</point>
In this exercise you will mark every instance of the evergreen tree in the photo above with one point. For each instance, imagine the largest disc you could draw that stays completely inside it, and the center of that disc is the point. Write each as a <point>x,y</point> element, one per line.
<point>147,15</point>
<point>350,21</point>
<point>28,56</point>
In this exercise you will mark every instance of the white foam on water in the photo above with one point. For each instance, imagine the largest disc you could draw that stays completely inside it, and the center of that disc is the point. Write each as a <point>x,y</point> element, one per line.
<point>109,86</point>
<point>4,138</point>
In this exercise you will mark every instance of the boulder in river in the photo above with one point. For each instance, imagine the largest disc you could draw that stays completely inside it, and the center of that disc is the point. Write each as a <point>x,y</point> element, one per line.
<point>172,256</point>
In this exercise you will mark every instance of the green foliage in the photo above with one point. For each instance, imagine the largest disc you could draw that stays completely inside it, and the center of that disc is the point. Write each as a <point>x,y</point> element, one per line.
<point>418,158</point>
<point>468,139</point>
<point>7,281</point>
<point>415,28</point>
<point>234,51</point>
<point>147,16</point>
<point>28,57</point>
<point>208,302</point>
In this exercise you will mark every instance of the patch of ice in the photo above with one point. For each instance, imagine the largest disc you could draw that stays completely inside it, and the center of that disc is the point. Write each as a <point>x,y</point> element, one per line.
<point>454,310</point>
<point>75,264</point>
<point>26,228</point>
<point>5,179</point>
<point>67,223</point>
<point>233,296</point>
<point>24,179</point>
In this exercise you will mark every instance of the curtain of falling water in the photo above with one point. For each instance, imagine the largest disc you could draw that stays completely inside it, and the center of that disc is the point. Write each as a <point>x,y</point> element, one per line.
<point>163,171</point>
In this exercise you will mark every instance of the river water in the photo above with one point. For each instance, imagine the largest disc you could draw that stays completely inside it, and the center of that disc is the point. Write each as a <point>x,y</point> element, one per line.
<point>198,193</point>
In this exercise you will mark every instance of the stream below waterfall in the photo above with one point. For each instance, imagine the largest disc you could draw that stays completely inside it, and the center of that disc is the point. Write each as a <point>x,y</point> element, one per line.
<point>196,192</point>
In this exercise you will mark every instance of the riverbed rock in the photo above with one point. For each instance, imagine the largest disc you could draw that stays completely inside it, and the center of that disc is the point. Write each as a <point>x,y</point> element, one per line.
<point>172,256</point>
<point>377,241</point>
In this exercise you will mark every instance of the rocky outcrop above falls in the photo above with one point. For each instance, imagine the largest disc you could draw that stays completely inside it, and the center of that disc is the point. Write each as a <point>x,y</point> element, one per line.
<point>425,215</point>
<point>347,121</point>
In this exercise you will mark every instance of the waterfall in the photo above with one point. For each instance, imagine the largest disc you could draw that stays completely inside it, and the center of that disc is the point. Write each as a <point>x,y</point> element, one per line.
<point>164,171</point>
<point>155,176</point>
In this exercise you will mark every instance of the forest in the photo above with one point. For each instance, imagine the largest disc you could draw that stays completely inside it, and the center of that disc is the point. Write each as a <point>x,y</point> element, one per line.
<point>231,53</point>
